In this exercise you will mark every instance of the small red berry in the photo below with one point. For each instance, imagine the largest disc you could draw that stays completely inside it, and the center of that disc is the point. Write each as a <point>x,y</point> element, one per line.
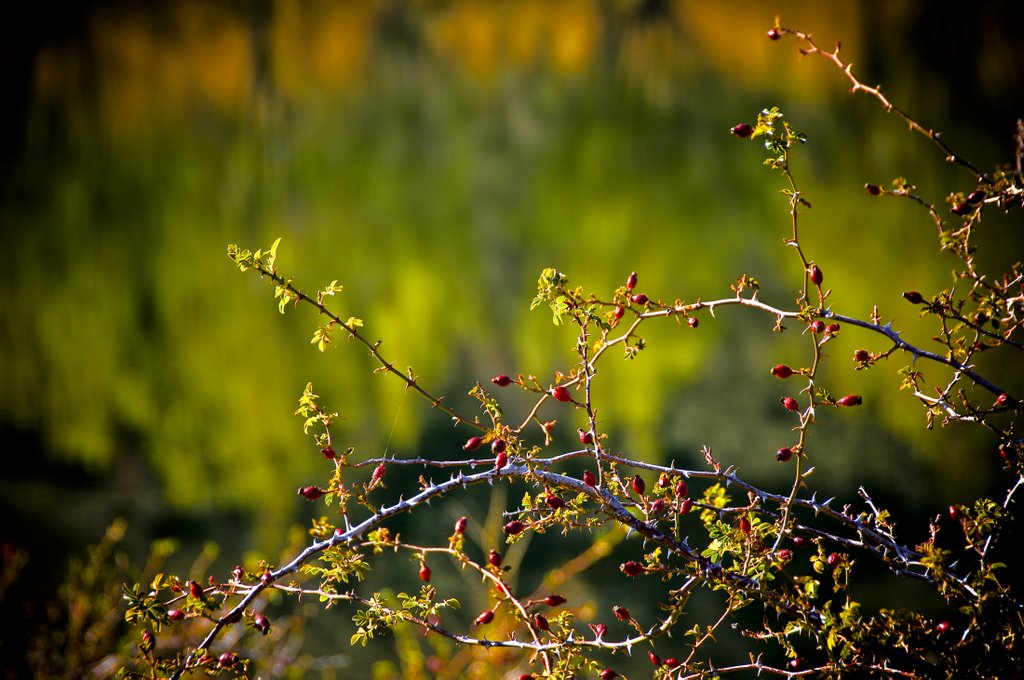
<point>632,568</point>
<point>682,489</point>
<point>526,676</point>
<point>514,527</point>
<point>816,276</point>
<point>774,34</point>
<point>784,454</point>
<point>975,197</point>
<point>913,297</point>
<point>608,674</point>
<point>832,328</point>
<point>554,600</point>
<point>657,507</point>
<point>785,554</point>
<point>329,453</point>
<point>862,355</point>
<point>175,615</point>
<point>619,312</point>
<point>655,659</point>
<point>460,525</point>
<point>693,322</point>
<point>311,493</point>
<point>472,443</point>
<point>745,526</point>
<point>425,573</point>
<point>817,326</point>
<point>266,578</point>
<point>639,486</point>
<point>954,512</point>
<point>631,281</point>
<point>589,478</point>
<point>501,380</point>
<point>585,437</point>
<point>561,393</point>
<point>554,502</point>
<point>498,446</point>
<point>850,400</point>
<point>227,659</point>
<point>944,627</point>
<point>195,590</point>
<point>639,298</point>
<point>742,130</point>
<point>494,558</point>
<point>832,559</point>
<point>960,209</point>
<point>873,189</point>
<point>671,662</point>
<point>501,460</point>
<point>621,613</point>
<point>801,541</point>
<point>1001,400</point>
<point>485,617</point>
<point>378,473</point>
<point>782,371</point>
<point>541,622</point>
<point>790,404</point>
<point>796,664</point>
<point>261,623</point>
<point>238,573</point>
<point>549,425</point>
<point>599,629</point>
<point>685,506</point>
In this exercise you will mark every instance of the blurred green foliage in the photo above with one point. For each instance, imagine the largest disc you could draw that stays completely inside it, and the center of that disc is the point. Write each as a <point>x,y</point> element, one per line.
<point>434,157</point>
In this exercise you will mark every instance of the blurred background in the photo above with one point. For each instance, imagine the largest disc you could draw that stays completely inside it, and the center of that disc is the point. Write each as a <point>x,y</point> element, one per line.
<point>434,156</point>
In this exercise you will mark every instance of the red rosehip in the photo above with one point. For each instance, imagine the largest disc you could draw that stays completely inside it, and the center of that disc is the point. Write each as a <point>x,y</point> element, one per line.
<point>621,613</point>
<point>498,446</point>
<point>378,473</point>
<point>460,525</point>
<point>944,626</point>
<point>501,460</point>
<point>817,326</point>
<point>796,664</point>
<point>671,662</point>
<point>663,481</point>
<point>311,493</point>
<point>682,488</point>
<point>472,443</point>
<point>639,486</point>
<point>685,506</point>
<point>784,454</point>
<point>175,615</point>
<point>832,559</point>
<point>494,558</point>
<point>785,554</point>
<point>329,453</point>
<point>261,623</point>
<point>632,568</point>
<point>801,541</point>
<point>561,393</point>
<point>608,674</point>
<point>862,355</point>
<point>238,573</point>
<point>816,276</point>
<point>850,400</point>
<point>782,371</point>
<point>742,130</point>
<point>1001,400</point>
<point>693,322</point>
<point>501,380</point>
<point>913,297</point>
<point>960,209</point>
<point>514,527</point>
<point>655,659</point>
<point>954,512</point>
<point>554,600</point>
<point>227,659</point>
<point>745,526</point>
<point>619,312</point>
<point>631,281</point>
<point>832,328</point>
<point>589,478</point>
<point>975,197</point>
<point>585,437</point>
<point>526,676</point>
<point>425,573</point>
<point>790,404</point>
<point>639,298</point>
<point>774,34</point>
<point>873,189</point>
<point>657,507</point>
<point>599,629</point>
<point>549,425</point>
<point>485,617</point>
<point>554,502</point>
<point>541,622</point>
<point>266,578</point>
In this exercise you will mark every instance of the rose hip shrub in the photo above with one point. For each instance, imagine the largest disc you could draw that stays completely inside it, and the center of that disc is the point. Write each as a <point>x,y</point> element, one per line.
<point>777,565</point>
